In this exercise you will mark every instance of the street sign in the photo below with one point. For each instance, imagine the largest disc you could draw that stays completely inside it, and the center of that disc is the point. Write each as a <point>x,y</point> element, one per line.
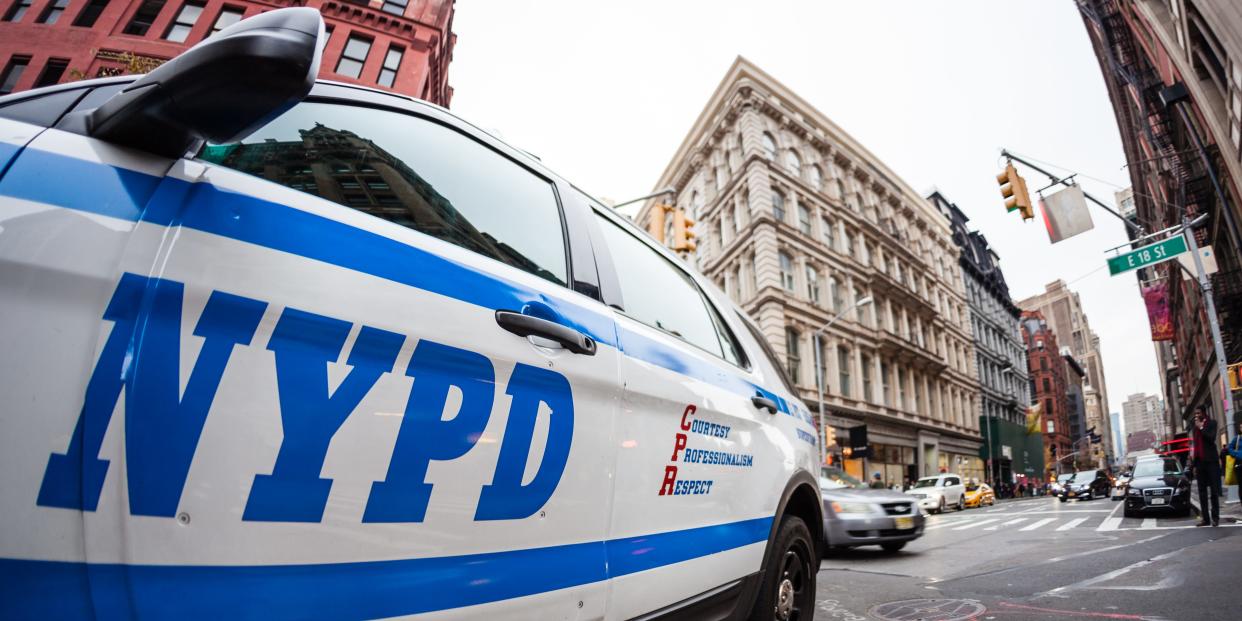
<point>1147,255</point>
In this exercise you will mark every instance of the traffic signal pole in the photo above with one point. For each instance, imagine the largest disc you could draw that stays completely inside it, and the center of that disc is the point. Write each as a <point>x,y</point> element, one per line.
<point>1057,180</point>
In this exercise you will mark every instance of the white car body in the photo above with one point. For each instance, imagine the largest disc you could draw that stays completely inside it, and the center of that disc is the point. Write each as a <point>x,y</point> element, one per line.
<point>224,397</point>
<point>947,492</point>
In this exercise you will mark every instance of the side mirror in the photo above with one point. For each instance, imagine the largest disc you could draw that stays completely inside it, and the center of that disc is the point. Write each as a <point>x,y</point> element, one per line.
<point>219,90</point>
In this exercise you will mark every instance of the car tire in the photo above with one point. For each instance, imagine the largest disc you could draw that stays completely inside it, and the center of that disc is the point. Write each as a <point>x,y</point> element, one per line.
<point>1128,513</point>
<point>788,589</point>
<point>941,508</point>
<point>893,546</point>
<point>1062,498</point>
<point>961,502</point>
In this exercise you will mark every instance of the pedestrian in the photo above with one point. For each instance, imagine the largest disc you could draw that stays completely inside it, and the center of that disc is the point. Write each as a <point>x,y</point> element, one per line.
<point>877,481</point>
<point>1205,467</point>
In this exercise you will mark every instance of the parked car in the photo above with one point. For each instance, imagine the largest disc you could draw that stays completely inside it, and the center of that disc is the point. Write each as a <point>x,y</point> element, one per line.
<point>855,515</point>
<point>283,348</point>
<point>1157,486</point>
<point>936,493</point>
<point>1085,485</point>
<point>979,494</point>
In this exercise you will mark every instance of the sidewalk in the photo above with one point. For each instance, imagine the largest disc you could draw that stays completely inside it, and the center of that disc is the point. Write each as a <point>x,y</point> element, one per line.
<point>1230,508</point>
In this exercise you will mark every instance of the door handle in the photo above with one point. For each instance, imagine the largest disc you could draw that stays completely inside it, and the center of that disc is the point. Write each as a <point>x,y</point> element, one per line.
<point>764,403</point>
<point>527,325</point>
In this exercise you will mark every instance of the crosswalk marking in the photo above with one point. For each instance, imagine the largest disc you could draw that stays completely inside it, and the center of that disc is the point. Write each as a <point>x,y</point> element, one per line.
<point>1148,523</point>
<point>1009,523</point>
<point>1038,524</point>
<point>1071,524</point>
<point>974,524</point>
<point>1111,523</point>
<point>941,524</point>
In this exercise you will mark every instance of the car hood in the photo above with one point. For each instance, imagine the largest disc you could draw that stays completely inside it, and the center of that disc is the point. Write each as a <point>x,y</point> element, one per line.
<point>864,495</point>
<point>1168,480</point>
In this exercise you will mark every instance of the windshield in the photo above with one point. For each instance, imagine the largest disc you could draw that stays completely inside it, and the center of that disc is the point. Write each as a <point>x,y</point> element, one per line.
<point>1156,468</point>
<point>835,478</point>
<point>1084,476</point>
<point>931,482</point>
<point>1065,477</point>
<point>970,487</point>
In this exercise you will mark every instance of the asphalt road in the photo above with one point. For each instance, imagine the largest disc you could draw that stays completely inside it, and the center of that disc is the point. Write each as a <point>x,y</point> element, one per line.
<point>1042,559</point>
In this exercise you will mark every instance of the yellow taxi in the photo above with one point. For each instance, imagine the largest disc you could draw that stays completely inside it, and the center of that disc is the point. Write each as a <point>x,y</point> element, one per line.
<point>979,494</point>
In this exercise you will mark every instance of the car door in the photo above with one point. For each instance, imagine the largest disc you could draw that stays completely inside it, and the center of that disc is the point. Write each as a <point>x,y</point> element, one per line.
<point>73,215</point>
<point>956,491</point>
<point>700,466</point>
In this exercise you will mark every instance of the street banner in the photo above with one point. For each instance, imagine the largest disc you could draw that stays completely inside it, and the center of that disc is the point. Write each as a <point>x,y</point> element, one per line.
<point>1065,214</point>
<point>1034,419</point>
<point>1156,297</point>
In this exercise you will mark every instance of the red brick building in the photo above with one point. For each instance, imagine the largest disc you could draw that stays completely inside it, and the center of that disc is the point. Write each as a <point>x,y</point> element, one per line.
<point>1049,388</point>
<point>398,45</point>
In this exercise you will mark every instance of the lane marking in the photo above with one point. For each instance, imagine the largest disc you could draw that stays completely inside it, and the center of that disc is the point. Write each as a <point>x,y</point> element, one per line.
<point>1038,524</point>
<point>1009,523</point>
<point>1148,524</point>
<point>1105,577</point>
<point>1071,524</point>
<point>1112,522</point>
<point>974,524</point>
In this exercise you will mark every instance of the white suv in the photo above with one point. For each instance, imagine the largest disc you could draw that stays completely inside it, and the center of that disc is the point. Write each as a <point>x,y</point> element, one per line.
<point>935,493</point>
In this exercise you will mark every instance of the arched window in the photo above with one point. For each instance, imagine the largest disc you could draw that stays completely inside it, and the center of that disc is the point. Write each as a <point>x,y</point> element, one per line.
<point>769,146</point>
<point>787,274</point>
<point>804,219</point>
<point>793,163</point>
<point>817,177</point>
<point>778,205</point>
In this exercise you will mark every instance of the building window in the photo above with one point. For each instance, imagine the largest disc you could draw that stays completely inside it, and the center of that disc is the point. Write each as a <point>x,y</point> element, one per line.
<point>812,284</point>
<point>792,360</point>
<point>1047,385</point>
<point>817,178</point>
<point>18,9</point>
<point>229,15</point>
<point>847,245</point>
<point>52,72</point>
<point>793,163</point>
<point>901,389</point>
<point>834,292</point>
<point>392,60</point>
<point>826,234</point>
<point>843,370</point>
<point>778,206</point>
<point>12,73</point>
<point>141,22</point>
<point>89,13</point>
<point>396,7</point>
<point>1052,427</point>
<point>354,57</point>
<point>866,377</point>
<point>53,12</point>
<point>804,220</point>
<point>184,22</point>
<point>787,275</point>
<point>884,386</point>
<point>769,146</point>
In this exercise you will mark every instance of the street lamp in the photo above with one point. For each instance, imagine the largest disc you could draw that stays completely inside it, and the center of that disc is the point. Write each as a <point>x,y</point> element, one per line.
<point>819,374</point>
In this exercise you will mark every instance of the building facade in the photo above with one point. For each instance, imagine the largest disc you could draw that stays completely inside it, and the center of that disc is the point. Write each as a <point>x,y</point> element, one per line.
<point>1062,309</point>
<point>1143,412</point>
<point>799,223</point>
<point>1119,435</point>
<point>1173,70</point>
<point>1000,355</point>
<point>1050,387</point>
<point>398,45</point>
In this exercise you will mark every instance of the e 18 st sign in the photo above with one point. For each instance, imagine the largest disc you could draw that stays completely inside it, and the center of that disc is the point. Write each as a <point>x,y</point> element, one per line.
<point>1147,255</point>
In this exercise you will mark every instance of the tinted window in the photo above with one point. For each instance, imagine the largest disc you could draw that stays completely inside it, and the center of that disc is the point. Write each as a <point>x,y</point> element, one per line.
<point>43,110</point>
<point>658,293</point>
<point>413,172</point>
<point>767,351</point>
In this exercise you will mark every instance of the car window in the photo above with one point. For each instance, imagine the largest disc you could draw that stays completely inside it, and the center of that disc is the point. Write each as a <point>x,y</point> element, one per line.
<point>659,294</point>
<point>773,361</point>
<point>43,110</point>
<point>413,172</point>
<point>926,482</point>
<point>954,481</point>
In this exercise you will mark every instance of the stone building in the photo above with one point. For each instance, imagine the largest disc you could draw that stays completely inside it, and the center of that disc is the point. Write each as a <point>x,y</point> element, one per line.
<point>798,222</point>
<point>1000,355</point>
<point>399,45</point>
<point>1062,309</point>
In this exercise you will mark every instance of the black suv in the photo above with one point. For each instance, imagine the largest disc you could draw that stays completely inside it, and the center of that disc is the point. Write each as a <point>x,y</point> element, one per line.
<point>1086,485</point>
<point>1158,485</point>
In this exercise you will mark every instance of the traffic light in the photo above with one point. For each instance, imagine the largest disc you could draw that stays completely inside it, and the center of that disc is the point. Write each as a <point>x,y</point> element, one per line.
<point>1235,376</point>
<point>1013,189</point>
<point>658,221</point>
<point>683,232</point>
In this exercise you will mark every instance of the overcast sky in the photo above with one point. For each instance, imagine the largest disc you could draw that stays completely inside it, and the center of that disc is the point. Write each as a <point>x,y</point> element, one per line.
<point>604,93</point>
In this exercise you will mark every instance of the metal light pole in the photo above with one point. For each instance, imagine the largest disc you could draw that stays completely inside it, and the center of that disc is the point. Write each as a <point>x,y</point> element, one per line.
<point>819,375</point>
<point>1206,285</point>
<point>668,190</point>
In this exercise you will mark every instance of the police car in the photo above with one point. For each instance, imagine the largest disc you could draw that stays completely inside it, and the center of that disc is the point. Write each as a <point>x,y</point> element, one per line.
<point>282,348</point>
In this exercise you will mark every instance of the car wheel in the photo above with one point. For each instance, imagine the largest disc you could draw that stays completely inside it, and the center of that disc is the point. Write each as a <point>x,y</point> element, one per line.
<point>1062,499</point>
<point>941,508</point>
<point>961,502</point>
<point>893,546</point>
<point>1128,513</point>
<point>788,589</point>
